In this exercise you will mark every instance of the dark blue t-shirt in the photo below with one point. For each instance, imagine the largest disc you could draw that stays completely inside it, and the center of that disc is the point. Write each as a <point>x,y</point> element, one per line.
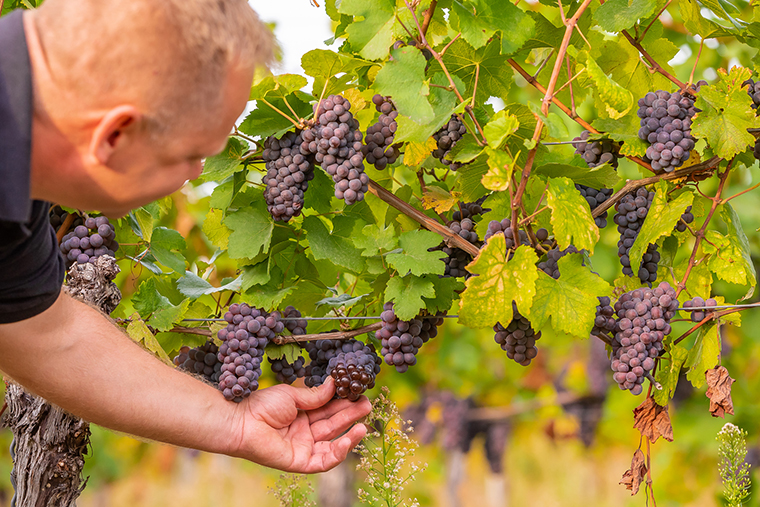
<point>31,266</point>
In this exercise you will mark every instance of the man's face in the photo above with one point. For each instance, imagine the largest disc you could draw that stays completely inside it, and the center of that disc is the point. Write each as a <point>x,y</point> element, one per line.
<point>148,170</point>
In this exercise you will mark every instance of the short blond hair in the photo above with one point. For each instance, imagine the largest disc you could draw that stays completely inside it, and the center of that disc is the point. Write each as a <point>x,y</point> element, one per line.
<point>168,56</point>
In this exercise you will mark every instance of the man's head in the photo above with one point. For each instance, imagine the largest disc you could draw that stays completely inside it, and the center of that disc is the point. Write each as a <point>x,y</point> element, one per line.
<point>136,93</point>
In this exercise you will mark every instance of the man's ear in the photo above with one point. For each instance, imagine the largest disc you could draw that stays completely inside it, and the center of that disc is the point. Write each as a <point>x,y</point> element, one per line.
<point>111,131</point>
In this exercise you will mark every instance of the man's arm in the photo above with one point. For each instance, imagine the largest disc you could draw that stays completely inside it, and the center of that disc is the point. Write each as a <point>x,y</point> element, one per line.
<point>74,357</point>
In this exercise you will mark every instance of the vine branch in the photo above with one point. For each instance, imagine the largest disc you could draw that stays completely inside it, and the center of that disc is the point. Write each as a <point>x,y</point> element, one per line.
<point>336,335</point>
<point>656,66</point>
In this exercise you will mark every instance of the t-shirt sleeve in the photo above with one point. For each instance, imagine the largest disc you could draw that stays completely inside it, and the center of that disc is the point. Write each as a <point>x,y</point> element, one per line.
<point>31,266</point>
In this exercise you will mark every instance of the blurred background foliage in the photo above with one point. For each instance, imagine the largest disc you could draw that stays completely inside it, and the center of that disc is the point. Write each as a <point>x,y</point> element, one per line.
<point>546,461</point>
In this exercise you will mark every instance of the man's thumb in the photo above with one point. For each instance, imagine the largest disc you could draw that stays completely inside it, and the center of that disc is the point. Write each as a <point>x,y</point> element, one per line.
<point>309,399</point>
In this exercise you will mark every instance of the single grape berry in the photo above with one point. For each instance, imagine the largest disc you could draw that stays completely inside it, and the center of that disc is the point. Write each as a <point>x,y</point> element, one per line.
<point>378,148</point>
<point>446,138</point>
<point>518,339</point>
<point>288,175</point>
<point>700,313</point>
<point>401,339</point>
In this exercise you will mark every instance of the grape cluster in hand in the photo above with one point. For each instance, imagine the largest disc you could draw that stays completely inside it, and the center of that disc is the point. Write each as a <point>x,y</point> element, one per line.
<point>603,151</point>
<point>666,126</point>
<point>604,322</point>
<point>288,175</point>
<point>686,218</point>
<point>87,242</point>
<point>347,361</point>
<point>550,266</point>
<point>401,339</point>
<point>285,371</point>
<point>596,198</point>
<point>699,315</point>
<point>446,138</point>
<point>244,339</point>
<point>518,339</point>
<point>58,216</point>
<point>632,209</point>
<point>201,360</point>
<point>378,141</point>
<point>336,143</point>
<point>643,321</point>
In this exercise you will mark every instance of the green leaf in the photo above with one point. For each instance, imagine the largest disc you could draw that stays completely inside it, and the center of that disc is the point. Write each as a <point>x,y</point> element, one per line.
<point>668,372</point>
<point>374,239</point>
<point>147,299</point>
<point>617,15</point>
<point>337,249</point>
<point>601,176</point>
<point>193,286</point>
<point>501,125</point>
<point>501,207</point>
<point>661,219</point>
<point>704,355</point>
<point>501,165</point>
<point>256,275</point>
<point>569,301</point>
<point>264,121</point>
<point>447,290</point>
<point>571,217</point>
<point>266,296</point>
<point>444,104</point>
<point>345,300</point>
<point>215,230</point>
<point>489,17</point>
<point>407,293</point>
<point>488,298</point>
<point>290,351</point>
<point>139,332</point>
<point>731,261</point>
<point>277,86</point>
<point>251,231</point>
<point>403,78</point>
<point>142,223</point>
<point>726,114</point>
<point>164,318</point>
<point>164,246</point>
<point>223,165</point>
<point>617,100</point>
<point>371,33</point>
<point>415,257</point>
<point>487,62</point>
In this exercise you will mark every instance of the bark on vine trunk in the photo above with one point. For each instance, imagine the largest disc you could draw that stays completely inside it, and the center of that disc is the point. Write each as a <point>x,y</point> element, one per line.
<point>49,445</point>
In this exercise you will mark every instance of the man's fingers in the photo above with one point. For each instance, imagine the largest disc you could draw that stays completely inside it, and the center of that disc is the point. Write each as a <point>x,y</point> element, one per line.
<point>329,455</point>
<point>331,427</point>
<point>310,399</point>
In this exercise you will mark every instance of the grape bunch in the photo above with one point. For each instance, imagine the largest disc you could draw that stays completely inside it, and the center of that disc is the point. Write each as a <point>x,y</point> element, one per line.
<point>666,126</point>
<point>202,360</point>
<point>58,216</point>
<point>643,321</point>
<point>468,210</point>
<point>320,352</point>
<point>462,223</point>
<point>518,339</point>
<point>505,227</point>
<point>379,148</point>
<point>244,339</point>
<point>604,322</point>
<point>97,237</point>
<point>549,266</point>
<point>631,210</point>
<point>699,315</point>
<point>401,339</point>
<point>336,143</point>
<point>686,218</point>
<point>596,198</point>
<point>285,371</point>
<point>596,152</point>
<point>288,175</point>
<point>296,327</point>
<point>446,138</point>
<point>347,361</point>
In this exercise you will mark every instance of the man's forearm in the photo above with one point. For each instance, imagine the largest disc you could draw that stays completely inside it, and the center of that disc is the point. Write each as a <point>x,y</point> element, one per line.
<point>74,357</point>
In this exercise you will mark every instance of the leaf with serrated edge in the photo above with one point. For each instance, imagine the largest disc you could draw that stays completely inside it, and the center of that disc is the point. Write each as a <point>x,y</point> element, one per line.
<point>193,286</point>
<point>439,199</point>
<point>164,319</point>
<point>251,231</point>
<point>488,298</point>
<point>216,232</point>
<point>446,291</point>
<point>571,217</point>
<point>325,245</point>
<point>501,125</point>
<point>371,33</point>
<point>403,78</point>
<point>617,15</point>
<point>617,100</point>
<point>501,165</point>
<point>569,301</point>
<point>417,152</point>
<point>415,257</point>
<point>661,219</point>
<point>407,293</point>
<point>375,239</point>
<point>704,355</point>
<point>739,240</point>
<point>147,299</point>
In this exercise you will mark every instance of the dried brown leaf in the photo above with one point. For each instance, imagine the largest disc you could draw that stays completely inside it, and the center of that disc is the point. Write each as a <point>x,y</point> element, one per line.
<point>653,421</point>
<point>719,391</point>
<point>633,477</point>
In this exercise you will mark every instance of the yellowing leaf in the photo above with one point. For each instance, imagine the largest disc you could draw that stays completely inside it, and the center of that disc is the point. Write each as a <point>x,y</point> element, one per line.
<point>439,199</point>
<point>416,153</point>
<point>500,168</point>
<point>616,99</point>
<point>139,332</point>
<point>571,217</point>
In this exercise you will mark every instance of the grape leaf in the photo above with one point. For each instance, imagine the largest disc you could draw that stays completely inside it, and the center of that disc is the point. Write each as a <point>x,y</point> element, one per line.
<point>346,300</point>
<point>403,78</point>
<point>601,176</point>
<point>501,165</point>
<point>371,33</point>
<point>281,85</point>
<point>726,114</point>
<point>625,130</point>
<point>668,373</point>
<point>141,223</point>
<point>617,100</point>
<point>221,166</point>
<point>407,293</point>
<point>164,245</point>
<point>256,275</point>
<point>571,217</point>
<point>290,351</point>
<point>164,318</point>
<point>251,231</point>
<point>139,332</point>
<point>501,125</point>
<point>374,239</point>
<point>444,104</point>
<point>569,301</point>
<point>215,230</point>
<point>488,297</point>
<point>478,27</point>
<point>733,262</point>
<point>700,279</point>
<point>661,220</point>
<point>704,355</point>
<point>488,62</point>
<point>437,198</point>
<point>147,299</point>
<point>265,121</point>
<point>415,257</point>
<point>617,15</point>
<point>266,296</point>
<point>416,153</point>
<point>193,286</point>
<point>500,206</point>
<point>335,248</point>
<point>446,292</point>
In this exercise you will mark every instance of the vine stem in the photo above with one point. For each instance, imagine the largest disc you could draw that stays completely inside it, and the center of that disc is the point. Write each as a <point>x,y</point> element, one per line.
<point>337,335</point>
<point>656,66</point>
<point>643,34</point>
<point>65,227</point>
<point>428,16</point>
<point>724,201</point>
<point>450,237</point>
<point>701,232</point>
<point>291,120</point>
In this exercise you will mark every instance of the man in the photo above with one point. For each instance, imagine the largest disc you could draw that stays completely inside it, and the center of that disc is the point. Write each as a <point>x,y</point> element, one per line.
<point>108,105</point>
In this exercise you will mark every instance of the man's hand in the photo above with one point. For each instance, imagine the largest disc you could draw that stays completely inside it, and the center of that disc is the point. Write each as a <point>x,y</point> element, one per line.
<point>292,428</point>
